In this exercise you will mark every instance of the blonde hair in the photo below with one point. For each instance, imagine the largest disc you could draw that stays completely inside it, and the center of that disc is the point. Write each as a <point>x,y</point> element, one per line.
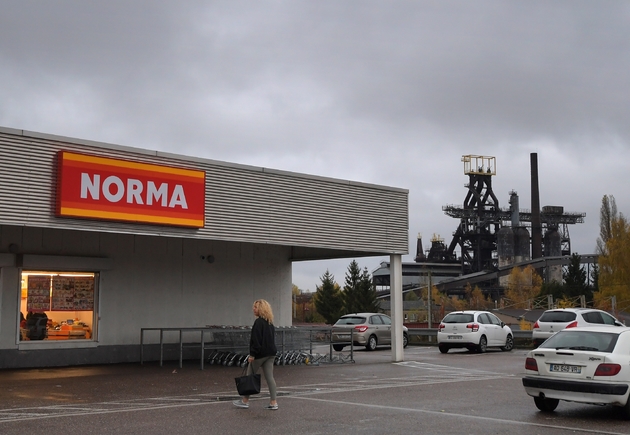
<point>264,310</point>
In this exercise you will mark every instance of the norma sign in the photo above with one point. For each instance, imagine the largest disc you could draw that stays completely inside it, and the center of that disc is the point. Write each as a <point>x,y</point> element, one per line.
<point>103,188</point>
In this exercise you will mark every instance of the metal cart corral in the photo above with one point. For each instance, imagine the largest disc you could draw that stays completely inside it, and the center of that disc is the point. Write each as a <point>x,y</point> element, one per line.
<point>230,339</point>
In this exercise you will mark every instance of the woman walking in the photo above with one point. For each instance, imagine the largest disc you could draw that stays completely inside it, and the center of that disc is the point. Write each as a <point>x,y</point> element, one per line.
<point>262,351</point>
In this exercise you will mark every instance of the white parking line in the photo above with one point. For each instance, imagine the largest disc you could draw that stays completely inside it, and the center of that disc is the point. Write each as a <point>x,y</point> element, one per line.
<point>419,374</point>
<point>151,403</point>
<point>455,415</point>
<point>431,374</point>
<point>38,416</point>
<point>449,369</point>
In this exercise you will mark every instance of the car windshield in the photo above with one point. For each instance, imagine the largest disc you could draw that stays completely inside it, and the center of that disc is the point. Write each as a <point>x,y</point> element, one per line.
<point>557,317</point>
<point>582,340</point>
<point>351,320</point>
<point>458,318</point>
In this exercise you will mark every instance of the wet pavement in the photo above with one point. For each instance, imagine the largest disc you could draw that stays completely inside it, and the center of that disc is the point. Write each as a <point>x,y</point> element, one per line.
<point>428,393</point>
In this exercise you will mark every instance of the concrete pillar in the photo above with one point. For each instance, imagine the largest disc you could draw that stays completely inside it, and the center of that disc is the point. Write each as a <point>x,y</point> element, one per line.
<point>395,280</point>
<point>9,317</point>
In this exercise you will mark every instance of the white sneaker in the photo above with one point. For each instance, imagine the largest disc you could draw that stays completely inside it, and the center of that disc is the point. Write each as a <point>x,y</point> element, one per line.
<point>240,404</point>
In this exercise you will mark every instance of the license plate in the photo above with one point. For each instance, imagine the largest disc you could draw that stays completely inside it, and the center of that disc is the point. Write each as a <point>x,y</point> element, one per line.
<point>563,368</point>
<point>344,336</point>
<point>455,337</point>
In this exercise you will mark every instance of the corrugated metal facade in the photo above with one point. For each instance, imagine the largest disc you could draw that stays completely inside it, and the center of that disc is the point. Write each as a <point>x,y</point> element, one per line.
<point>317,216</point>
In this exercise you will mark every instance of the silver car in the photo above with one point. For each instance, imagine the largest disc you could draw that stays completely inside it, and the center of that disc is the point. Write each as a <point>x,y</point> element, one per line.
<point>364,329</point>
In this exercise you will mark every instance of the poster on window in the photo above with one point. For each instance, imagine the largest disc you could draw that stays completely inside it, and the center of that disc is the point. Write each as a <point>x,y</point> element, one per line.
<point>63,293</point>
<point>84,293</point>
<point>38,296</point>
<point>71,293</point>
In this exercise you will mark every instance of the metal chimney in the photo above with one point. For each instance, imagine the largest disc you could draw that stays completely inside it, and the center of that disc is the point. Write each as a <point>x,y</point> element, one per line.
<point>514,209</point>
<point>419,251</point>
<point>536,225</point>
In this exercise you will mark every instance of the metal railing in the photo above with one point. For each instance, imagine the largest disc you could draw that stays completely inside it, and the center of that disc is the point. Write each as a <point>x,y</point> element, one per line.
<point>424,333</point>
<point>292,339</point>
<point>230,339</point>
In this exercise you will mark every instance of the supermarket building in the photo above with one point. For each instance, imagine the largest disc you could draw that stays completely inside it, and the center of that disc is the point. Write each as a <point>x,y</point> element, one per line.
<point>98,241</point>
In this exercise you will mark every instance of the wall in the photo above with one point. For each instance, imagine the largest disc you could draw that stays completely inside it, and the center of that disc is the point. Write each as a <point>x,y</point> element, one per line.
<point>164,282</point>
<point>149,282</point>
<point>243,203</point>
<point>257,221</point>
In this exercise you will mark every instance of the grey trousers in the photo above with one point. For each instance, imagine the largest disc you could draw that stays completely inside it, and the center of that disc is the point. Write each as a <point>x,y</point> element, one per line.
<point>267,366</point>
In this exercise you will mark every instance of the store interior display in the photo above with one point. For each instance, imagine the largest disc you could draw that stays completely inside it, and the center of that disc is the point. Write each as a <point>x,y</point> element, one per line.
<point>58,306</point>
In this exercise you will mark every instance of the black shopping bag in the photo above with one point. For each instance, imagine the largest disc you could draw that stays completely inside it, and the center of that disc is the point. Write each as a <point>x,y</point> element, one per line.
<point>246,385</point>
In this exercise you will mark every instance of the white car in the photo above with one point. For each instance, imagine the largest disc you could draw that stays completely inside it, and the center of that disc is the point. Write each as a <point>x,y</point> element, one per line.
<point>583,364</point>
<point>552,321</point>
<point>474,330</point>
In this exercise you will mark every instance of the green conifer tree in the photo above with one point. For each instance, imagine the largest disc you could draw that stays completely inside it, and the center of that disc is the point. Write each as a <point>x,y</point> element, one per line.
<point>575,279</point>
<point>351,288</point>
<point>367,300</point>
<point>328,299</point>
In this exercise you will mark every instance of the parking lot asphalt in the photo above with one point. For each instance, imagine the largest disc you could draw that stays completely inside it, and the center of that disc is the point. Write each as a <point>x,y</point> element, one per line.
<point>429,393</point>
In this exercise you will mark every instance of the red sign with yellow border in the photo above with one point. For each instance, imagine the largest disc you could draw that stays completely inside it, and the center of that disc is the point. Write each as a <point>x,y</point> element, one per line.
<point>112,189</point>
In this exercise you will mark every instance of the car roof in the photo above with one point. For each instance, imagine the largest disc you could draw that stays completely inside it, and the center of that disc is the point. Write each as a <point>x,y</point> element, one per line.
<point>362,314</point>
<point>607,329</point>
<point>470,312</point>
<point>574,310</point>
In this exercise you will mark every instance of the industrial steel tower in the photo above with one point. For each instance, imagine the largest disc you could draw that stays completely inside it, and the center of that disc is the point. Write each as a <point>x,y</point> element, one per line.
<point>479,218</point>
<point>484,227</point>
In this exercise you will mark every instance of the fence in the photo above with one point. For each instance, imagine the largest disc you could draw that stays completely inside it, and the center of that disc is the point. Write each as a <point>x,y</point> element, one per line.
<point>429,335</point>
<point>230,345</point>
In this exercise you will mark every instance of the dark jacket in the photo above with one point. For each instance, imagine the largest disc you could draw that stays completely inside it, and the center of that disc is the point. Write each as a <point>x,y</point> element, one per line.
<point>263,339</point>
<point>36,325</point>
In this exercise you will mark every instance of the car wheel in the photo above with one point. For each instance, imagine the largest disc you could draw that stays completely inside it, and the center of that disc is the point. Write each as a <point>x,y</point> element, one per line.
<point>338,347</point>
<point>405,340</point>
<point>483,344</point>
<point>546,405</point>
<point>509,344</point>
<point>443,348</point>
<point>371,343</point>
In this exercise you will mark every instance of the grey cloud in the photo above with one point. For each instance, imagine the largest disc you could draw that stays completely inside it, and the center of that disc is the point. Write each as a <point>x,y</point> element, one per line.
<point>387,92</point>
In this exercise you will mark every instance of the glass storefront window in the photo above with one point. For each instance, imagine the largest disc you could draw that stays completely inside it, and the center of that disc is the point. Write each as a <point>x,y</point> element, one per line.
<point>57,305</point>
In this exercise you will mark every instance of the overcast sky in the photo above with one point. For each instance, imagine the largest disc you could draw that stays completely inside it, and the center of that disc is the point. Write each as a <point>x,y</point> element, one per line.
<point>386,92</point>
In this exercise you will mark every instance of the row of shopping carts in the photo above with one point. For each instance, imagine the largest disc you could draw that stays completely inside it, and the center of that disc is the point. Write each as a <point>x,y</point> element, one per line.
<point>239,359</point>
<point>295,346</point>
